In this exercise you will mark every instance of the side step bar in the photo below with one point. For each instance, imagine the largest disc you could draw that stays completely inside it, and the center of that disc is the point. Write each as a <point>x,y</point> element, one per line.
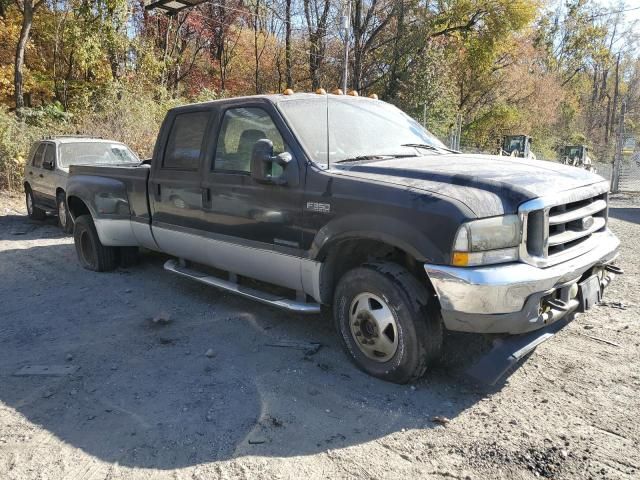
<point>253,294</point>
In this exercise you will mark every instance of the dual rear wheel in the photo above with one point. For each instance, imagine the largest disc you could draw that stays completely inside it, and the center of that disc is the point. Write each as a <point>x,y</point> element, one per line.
<point>93,255</point>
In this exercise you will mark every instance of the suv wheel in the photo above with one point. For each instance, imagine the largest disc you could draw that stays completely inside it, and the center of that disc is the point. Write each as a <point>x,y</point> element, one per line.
<point>387,322</point>
<point>34,212</point>
<point>65,222</point>
<point>93,255</point>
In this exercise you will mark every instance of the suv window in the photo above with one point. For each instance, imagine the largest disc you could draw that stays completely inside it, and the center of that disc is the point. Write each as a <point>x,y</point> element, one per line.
<point>37,158</point>
<point>50,155</point>
<point>241,129</point>
<point>185,141</point>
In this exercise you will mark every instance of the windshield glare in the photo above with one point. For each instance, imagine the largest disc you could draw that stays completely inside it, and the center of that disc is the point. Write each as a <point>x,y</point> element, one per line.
<point>92,153</point>
<point>358,127</point>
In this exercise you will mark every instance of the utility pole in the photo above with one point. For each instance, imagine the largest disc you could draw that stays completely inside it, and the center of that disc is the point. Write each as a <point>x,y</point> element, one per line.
<point>617,161</point>
<point>346,23</point>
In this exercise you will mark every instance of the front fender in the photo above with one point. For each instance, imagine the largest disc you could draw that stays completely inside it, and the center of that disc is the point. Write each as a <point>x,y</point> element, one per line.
<point>391,231</point>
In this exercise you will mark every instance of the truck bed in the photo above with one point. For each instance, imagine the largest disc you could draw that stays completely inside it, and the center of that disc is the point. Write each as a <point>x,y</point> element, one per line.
<point>129,182</point>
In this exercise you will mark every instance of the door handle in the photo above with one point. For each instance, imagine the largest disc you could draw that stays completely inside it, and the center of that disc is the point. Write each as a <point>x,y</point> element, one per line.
<point>158,192</point>
<point>30,173</point>
<point>41,176</point>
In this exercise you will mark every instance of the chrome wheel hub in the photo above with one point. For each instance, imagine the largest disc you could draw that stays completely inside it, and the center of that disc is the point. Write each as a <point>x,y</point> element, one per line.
<point>373,327</point>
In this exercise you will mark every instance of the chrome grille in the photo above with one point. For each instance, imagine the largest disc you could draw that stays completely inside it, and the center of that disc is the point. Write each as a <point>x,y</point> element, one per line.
<point>556,229</point>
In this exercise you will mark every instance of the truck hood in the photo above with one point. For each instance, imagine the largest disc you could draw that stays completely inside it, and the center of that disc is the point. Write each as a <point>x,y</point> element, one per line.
<point>487,184</point>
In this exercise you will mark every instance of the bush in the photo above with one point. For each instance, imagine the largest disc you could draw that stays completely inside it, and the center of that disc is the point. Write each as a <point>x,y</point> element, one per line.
<point>129,114</point>
<point>15,140</point>
<point>18,134</point>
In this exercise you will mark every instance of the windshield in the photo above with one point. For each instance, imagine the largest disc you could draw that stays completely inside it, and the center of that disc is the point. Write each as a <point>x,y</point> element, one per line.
<point>574,152</point>
<point>359,127</point>
<point>514,144</point>
<point>92,153</point>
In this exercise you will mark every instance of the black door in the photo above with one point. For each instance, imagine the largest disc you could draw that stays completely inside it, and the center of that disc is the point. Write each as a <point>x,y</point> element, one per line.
<point>175,190</point>
<point>256,226</point>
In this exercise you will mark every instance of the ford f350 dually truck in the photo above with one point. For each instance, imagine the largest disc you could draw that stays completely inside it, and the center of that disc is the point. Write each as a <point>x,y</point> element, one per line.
<point>304,200</point>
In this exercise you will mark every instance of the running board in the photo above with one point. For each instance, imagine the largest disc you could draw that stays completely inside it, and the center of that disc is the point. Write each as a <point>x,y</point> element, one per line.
<point>253,294</point>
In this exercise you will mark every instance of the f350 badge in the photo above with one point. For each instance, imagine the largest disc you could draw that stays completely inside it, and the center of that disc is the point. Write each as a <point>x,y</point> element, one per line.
<point>319,207</point>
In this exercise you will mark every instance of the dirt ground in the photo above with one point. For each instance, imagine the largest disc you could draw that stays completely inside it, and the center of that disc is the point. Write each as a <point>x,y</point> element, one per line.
<point>136,399</point>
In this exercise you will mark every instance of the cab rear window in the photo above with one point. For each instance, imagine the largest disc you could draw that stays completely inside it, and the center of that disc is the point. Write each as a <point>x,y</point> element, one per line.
<point>185,141</point>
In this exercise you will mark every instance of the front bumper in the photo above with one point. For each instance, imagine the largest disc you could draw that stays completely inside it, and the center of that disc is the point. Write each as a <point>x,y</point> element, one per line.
<point>510,298</point>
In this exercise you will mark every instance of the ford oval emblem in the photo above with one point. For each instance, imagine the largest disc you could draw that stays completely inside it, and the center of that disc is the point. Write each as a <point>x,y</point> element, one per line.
<point>587,222</point>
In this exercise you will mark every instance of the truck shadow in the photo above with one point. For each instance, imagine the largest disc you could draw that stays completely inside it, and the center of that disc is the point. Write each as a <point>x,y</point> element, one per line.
<point>16,227</point>
<point>214,377</point>
<point>627,214</point>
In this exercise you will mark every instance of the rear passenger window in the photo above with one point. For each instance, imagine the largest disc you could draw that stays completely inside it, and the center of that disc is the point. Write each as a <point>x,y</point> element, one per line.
<point>50,155</point>
<point>37,158</point>
<point>241,129</point>
<point>185,141</point>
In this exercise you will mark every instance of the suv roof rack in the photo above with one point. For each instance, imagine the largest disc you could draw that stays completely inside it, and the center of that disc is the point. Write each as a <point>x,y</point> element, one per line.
<point>53,137</point>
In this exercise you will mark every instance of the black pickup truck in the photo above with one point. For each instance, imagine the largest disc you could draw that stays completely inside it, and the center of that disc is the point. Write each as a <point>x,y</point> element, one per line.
<point>305,200</point>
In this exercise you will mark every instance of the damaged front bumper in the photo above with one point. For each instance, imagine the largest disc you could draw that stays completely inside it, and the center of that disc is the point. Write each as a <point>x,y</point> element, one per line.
<point>518,298</point>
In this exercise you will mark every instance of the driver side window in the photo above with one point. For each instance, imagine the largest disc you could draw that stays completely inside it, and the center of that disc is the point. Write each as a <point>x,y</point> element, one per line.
<point>241,129</point>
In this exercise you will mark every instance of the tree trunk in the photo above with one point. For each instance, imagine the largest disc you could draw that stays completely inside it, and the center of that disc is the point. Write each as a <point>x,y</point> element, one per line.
<point>255,47</point>
<point>317,28</point>
<point>393,86</point>
<point>358,40</point>
<point>23,39</point>
<point>616,92</point>
<point>287,45</point>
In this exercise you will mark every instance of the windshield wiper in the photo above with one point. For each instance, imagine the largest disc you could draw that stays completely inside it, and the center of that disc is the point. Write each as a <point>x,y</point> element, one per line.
<point>374,157</point>
<point>426,146</point>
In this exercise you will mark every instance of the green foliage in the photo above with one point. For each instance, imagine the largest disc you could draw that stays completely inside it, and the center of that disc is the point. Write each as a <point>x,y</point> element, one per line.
<point>128,113</point>
<point>104,67</point>
<point>17,136</point>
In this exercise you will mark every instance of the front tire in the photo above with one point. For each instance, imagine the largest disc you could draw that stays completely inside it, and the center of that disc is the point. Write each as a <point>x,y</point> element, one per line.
<point>34,212</point>
<point>387,322</point>
<point>92,254</point>
<point>65,222</point>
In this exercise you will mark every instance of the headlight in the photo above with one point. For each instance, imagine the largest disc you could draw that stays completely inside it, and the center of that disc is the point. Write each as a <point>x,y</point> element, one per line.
<point>487,241</point>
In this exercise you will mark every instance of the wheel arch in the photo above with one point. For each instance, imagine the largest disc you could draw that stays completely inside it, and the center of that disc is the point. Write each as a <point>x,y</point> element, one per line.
<point>77,207</point>
<point>348,252</point>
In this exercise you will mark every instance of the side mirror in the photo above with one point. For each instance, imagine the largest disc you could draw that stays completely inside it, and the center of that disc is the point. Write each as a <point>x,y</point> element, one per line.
<point>262,160</point>
<point>47,165</point>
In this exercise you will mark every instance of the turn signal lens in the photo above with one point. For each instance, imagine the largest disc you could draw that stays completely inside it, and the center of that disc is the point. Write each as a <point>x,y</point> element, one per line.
<point>490,257</point>
<point>288,91</point>
<point>337,91</point>
<point>321,91</point>
<point>460,259</point>
<point>373,96</point>
<point>353,93</point>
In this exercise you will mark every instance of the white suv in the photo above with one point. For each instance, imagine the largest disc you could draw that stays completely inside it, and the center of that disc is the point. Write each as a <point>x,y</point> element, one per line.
<point>47,169</point>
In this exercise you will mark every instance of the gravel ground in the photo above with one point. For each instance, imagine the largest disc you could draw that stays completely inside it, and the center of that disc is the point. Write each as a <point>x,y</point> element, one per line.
<point>202,393</point>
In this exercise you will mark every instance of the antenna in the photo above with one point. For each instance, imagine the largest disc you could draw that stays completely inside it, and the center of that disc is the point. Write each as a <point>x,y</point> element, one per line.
<point>328,164</point>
